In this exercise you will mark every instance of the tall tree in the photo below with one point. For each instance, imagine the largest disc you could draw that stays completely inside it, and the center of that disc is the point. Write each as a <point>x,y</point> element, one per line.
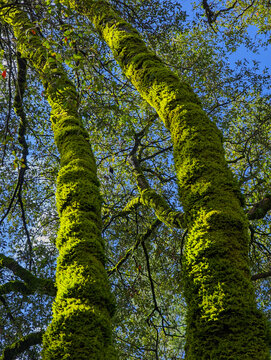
<point>83,304</point>
<point>218,289</point>
<point>222,318</point>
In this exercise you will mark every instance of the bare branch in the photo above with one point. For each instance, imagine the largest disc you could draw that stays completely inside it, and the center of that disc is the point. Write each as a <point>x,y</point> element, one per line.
<point>140,239</point>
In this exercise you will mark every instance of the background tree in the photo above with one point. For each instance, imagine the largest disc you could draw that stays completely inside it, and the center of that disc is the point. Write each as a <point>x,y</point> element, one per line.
<point>122,127</point>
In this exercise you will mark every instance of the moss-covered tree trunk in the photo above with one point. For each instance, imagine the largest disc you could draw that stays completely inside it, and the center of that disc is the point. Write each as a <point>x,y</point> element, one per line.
<point>81,324</point>
<point>222,319</point>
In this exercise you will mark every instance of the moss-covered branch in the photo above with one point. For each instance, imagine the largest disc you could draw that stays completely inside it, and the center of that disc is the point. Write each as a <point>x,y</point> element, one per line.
<point>16,286</point>
<point>131,205</point>
<point>260,209</point>
<point>81,324</point>
<point>30,283</point>
<point>150,198</point>
<point>16,268</point>
<point>12,351</point>
<point>222,318</point>
<point>155,201</point>
<point>41,286</point>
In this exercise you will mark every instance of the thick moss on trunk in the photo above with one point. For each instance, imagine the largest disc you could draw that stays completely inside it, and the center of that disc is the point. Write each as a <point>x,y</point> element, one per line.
<point>81,324</point>
<point>222,321</point>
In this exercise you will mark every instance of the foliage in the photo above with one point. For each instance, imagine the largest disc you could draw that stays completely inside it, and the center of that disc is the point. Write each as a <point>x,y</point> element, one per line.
<point>150,317</point>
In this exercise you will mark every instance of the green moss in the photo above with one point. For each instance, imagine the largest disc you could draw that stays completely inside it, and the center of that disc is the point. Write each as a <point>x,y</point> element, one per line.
<point>222,320</point>
<point>87,324</point>
<point>162,210</point>
<point>83,307</point>
<point>133,204</point>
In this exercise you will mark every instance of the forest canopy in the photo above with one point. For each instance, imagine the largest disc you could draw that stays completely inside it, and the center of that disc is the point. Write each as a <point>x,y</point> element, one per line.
<point>135,180</point>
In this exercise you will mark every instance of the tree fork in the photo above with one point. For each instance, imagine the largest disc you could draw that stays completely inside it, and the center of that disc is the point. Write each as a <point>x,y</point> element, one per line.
<point>81,324</point>
<point>222,318</point>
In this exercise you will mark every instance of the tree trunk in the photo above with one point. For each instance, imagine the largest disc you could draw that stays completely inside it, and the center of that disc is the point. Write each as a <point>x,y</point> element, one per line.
<point>222,319</point>
<point>81,324</point>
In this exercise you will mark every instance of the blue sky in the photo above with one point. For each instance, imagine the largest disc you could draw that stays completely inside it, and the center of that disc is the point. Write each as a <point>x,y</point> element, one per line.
<point>264,54</point>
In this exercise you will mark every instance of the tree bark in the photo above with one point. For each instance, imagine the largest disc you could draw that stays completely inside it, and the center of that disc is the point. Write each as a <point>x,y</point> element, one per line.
<point>81,324</point>
<point>222,318</point>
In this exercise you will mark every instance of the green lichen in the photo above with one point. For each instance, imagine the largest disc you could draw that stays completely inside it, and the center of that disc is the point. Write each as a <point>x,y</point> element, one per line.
<point>83,307</point>
<point>222,319</point>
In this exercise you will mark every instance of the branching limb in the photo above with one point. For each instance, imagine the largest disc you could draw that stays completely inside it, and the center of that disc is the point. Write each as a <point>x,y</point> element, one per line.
<point>156,308</point>
<point>150,198</point>
<point>129,207</point>
<point>8,117</point>
<point>29,242</point>
<point>9,313</point>
<point>19,110</point>
<point>15,286</point>
<point>30,283</point>
<point>212,16</point>
<point>140,239</point>
<point>17,269</point>
<point>169,148</point>
<point>12,351</point>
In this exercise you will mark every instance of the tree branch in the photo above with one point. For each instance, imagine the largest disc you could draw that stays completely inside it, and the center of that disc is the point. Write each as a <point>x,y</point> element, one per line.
<point>15,286</point>
<point>260,209</point>
<point>140,239</point>
<point>156,308</point>
<point>30,284</point>
<point>150,198</point>
<point>263,275</point>
<point>157,202</point>
<point>19,110</point>
<point>9,314</point>
<point>131,205</point>
<point>12,351</point>
<point>212,16</point>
